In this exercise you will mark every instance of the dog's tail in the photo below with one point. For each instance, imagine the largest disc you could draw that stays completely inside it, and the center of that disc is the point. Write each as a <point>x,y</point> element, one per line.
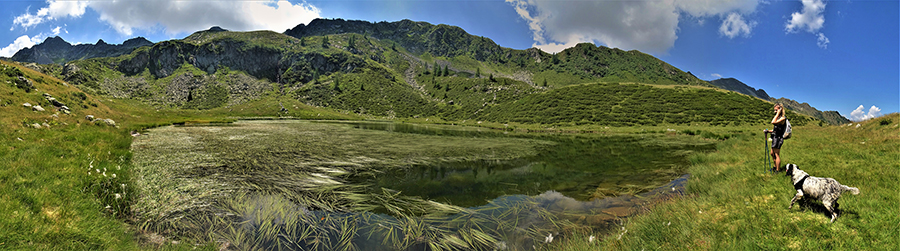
<point>852,190</point>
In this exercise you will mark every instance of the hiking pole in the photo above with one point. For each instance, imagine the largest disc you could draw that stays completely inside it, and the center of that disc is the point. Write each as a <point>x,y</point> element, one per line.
<point>766,145</point>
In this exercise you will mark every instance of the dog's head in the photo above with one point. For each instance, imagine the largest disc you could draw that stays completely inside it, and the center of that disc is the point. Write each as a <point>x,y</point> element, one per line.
<point>789,169</point>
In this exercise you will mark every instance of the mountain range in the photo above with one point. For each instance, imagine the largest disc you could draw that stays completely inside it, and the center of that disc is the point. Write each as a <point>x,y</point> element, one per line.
<point>401,69</point>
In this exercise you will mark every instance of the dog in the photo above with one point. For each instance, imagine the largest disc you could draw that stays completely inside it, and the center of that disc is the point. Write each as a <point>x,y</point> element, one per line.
<point>827,190</point>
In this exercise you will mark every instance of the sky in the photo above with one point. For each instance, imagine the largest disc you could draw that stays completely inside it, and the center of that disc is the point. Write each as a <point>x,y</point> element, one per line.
<point>835,55</point>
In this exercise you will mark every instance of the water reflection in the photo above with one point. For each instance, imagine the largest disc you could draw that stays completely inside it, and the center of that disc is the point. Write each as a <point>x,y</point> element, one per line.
<point>582,168</point>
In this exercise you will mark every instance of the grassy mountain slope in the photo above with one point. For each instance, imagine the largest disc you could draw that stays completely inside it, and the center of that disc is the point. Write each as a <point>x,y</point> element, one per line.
<point>586,62</point>
<point>400,69</point>
<point>636,104</point>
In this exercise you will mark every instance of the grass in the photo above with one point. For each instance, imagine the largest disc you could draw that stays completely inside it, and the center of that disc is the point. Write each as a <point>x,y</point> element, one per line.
<point>733,204</point>
<point>72,187</point>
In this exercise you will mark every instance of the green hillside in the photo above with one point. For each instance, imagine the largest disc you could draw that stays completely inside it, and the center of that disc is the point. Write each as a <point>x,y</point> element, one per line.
<point>429,71</point>
<point>637,104</point>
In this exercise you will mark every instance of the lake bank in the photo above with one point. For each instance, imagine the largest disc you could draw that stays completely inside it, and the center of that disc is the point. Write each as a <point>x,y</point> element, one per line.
<point>734,204</point>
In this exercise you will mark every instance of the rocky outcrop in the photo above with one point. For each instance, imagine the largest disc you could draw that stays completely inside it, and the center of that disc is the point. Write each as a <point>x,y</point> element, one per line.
<point>57,50</point>
<point>59,105</point>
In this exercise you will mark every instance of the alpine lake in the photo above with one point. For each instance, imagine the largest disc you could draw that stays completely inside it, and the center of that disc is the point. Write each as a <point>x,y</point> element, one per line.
<point>325,185</point>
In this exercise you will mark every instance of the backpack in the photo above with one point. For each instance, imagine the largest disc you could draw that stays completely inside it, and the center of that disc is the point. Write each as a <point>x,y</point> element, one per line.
<point>787,129</point>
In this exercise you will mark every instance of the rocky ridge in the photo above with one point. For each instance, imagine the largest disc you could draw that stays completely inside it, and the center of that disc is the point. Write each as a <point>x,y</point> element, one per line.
<point>56,50</point>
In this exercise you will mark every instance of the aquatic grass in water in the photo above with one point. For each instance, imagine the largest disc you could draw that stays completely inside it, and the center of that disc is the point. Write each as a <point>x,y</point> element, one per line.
<point>305,185</point>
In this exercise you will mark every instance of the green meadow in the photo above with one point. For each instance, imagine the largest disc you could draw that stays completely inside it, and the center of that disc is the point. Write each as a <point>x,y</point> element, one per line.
<point>732,203</point>
<point>72,184</point>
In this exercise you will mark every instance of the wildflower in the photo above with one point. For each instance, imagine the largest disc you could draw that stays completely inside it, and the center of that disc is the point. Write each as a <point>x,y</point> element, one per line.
<point>104,174</point>
<point>118,167</point>
<point>549,238</point>
<point>114,176</point>
<point>98,170</point>
<point>108,207</point>
<point>701,211</point>
<point>122,185</point>
<point>118,196</point>
<point>91,164</point>
<point>591,239</point>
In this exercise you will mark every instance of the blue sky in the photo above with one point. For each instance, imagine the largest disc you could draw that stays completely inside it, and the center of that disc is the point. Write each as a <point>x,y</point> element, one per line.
<point>834,55</point>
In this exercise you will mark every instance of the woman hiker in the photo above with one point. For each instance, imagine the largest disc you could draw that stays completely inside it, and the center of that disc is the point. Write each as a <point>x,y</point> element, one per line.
<point>777,135</point>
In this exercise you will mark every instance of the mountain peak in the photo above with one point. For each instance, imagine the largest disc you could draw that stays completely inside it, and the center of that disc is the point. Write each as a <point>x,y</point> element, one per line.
<point>54,42</point>
<point>137,42</point>
<point>216,29</point>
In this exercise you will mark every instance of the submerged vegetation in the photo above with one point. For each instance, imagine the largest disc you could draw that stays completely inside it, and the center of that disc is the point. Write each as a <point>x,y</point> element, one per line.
<point>294,184</point>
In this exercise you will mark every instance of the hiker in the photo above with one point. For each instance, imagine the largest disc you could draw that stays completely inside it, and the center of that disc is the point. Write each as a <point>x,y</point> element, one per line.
<point>777,135</point>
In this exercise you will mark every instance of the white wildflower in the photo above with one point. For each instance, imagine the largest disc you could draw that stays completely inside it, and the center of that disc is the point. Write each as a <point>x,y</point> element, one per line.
<point>104,174</point>
<point>118,196</point>
<point>97,170</point>
<point>122,185</point>
<point>91,164</point>
<point>670,223</point>
<point>108,207</point>
<point>118,167</point>
<point>591,239</point>
<point>114,176</point>
<point>549,238</point>
<point>701,211</point>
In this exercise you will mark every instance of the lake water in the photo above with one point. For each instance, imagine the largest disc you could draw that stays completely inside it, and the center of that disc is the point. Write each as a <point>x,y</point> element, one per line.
<point>373,185</point>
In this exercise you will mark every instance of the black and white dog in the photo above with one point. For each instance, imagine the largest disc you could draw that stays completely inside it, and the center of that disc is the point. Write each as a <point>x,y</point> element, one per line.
<point>827,190</point>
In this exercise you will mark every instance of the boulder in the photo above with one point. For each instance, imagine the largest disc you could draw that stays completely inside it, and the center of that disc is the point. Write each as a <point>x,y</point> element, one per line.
<point>27,105</point>
<point>36,126</point>
<point>37,108</point>
<point>89,117</point>
<point>45,125</point>
<point>55,102</point>
<point>24,84</point>
<point>110,122</point>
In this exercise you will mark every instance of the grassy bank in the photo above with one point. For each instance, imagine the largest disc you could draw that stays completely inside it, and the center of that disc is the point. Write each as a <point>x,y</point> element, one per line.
<point>733,204</point>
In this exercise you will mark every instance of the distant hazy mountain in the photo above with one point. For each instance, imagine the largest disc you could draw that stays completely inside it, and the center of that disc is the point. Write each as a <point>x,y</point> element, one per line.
<point>832,117</point>
<point>738,86</point>
<point>56,50</point>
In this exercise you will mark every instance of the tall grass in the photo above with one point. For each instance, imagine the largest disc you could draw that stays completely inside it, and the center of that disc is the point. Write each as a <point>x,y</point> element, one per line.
<point>734,204</point>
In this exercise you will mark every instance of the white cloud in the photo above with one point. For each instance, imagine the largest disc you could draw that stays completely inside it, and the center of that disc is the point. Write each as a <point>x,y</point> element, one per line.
<point>176,16</point>
<point>716,75</point>
<point>21,42</point>
<point>55,9</point>
<point>822,41</point>
<point>649,26</point>
<point>860,115</point>
<point>735,25</point>
<point>810,18</point>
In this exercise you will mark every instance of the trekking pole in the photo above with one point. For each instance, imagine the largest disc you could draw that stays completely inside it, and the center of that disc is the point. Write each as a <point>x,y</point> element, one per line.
<point>766,145</point>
